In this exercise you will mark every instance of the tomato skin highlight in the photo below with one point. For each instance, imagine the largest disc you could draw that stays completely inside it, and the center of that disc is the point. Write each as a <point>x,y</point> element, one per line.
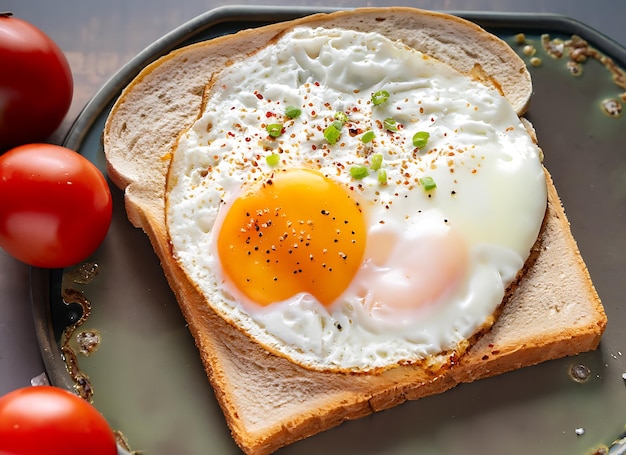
<point>49,420</point>
<point>55,205</point>
<point>36,85</point>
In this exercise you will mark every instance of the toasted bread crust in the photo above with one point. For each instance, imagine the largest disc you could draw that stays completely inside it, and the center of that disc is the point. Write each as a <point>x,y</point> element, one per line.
<point>553,311</point>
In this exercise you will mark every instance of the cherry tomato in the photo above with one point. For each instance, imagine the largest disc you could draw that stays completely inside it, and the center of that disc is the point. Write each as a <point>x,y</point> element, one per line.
<point>49,420</point>
<point>35,83</point>
<point>55,205</point>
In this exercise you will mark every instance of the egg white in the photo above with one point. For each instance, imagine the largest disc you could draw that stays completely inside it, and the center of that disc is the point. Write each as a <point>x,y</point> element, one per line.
<point>490,188</point>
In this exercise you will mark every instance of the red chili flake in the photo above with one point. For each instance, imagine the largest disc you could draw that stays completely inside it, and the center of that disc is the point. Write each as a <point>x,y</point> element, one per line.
<point>317,84</point>
<point>269,114</point>
<point>248,139</point>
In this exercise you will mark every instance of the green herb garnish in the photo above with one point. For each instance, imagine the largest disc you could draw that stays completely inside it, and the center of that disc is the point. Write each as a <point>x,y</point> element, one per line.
<point>293,111</point>
<point>390,124</point>
<point>368,137</point>
<point>274,129</point>
<point>332,132</point>
<point>359,172</point>
<point>428,183</point>
<point>341,117</point>
<point>420,139</point>
<point>380,97</point>
<point>272,160</point>
<point>377,161</point>
<point>382,177</point>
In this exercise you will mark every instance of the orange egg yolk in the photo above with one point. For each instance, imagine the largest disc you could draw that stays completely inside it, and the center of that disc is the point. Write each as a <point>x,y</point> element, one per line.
<point>295,232</point>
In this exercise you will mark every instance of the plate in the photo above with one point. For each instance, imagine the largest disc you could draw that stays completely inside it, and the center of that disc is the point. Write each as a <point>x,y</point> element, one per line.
<point>146,375</point>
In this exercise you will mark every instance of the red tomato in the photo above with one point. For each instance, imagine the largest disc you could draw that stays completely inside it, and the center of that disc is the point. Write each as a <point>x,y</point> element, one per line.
<point>49,420</point>
<point>55,205</point>
<point>35,84</point>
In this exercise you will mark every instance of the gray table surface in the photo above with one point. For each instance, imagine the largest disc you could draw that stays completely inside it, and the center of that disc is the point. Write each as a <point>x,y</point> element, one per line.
<point>99,37</point>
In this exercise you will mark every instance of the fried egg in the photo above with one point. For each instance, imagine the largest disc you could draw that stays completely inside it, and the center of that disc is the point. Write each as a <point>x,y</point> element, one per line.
<point>351,203</point>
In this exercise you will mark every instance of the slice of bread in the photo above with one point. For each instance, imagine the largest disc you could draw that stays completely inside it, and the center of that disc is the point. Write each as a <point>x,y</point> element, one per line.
<point>268,402</point>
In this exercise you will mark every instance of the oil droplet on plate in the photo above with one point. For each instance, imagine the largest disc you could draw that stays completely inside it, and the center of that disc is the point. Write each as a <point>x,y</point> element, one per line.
<point>83,274</point>
<point>612,108</point>
<point>88,341</point>
<point>579,372</point>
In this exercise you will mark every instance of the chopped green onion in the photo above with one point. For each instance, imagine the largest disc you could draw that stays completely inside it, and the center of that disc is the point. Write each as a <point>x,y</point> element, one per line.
<point>380,97</point>
<point>368,137</point>
<point>274,129</point>
<point>390,124</point>
<point>332,132</point>
<point>420,139</point>
<point>341,117</point>
<point>293,111</point>
<point>272,160</point>
<point>428,183</point>
<point>377,161</point>
<point>359,172</point>
<point>382,177</point>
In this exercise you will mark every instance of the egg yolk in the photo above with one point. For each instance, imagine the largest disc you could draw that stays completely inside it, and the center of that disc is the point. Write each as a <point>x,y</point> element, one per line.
<point>404,274</point>
<point>295,232</point>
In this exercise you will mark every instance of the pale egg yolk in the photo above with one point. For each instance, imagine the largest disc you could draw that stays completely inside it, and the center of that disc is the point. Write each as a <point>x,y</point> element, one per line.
<point>403,274</point>
<point>295,232</point>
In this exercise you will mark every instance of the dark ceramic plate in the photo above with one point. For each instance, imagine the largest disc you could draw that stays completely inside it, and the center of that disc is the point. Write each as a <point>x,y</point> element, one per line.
<point>147,377</point>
